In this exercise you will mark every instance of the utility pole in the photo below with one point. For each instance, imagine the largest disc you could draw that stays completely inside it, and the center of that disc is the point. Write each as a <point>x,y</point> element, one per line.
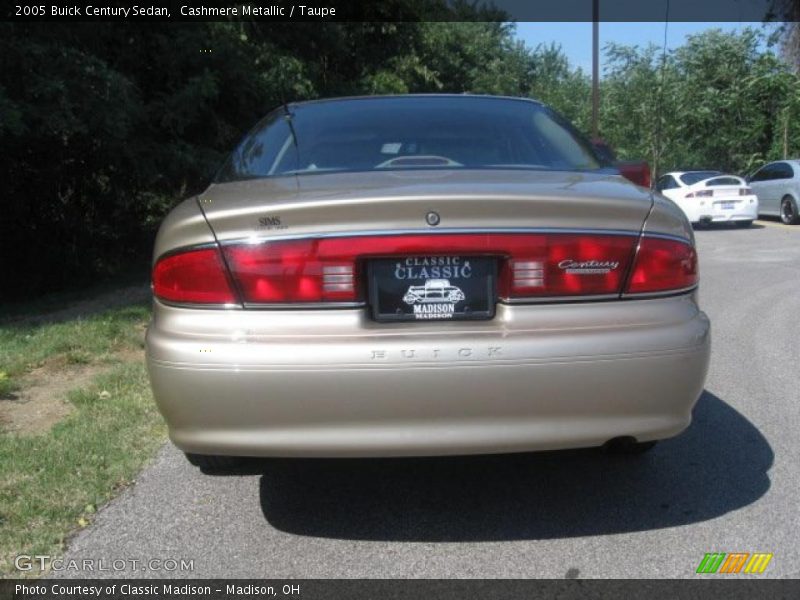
<point>595,67</point>
<point>785,133</point>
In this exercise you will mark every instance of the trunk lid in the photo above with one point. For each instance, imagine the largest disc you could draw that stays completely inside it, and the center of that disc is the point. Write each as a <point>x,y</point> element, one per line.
<point>339,203</point>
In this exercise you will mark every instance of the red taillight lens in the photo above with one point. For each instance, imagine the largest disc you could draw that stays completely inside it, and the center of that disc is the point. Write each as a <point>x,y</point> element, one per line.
<point>196,276</point>
<point>663,265</point>
<point>745,191</point>
<point>294,271</point>
<point>565,265</point>
<point>330,269</point>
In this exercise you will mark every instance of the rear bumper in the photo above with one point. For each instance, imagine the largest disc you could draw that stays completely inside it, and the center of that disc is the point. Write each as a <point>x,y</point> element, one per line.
<point>744,210</point>
<point>334,383</point>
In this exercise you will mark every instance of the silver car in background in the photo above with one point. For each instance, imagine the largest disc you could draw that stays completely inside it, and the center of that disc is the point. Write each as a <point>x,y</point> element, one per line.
<point>777,185</point>
<point>282,324</point>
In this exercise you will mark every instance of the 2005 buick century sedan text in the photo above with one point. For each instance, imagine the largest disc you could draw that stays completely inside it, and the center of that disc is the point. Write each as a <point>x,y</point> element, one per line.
<point>422,275</point>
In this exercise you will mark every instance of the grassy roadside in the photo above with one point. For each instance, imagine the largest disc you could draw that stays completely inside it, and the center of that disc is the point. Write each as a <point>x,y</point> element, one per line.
<point>90,368</point>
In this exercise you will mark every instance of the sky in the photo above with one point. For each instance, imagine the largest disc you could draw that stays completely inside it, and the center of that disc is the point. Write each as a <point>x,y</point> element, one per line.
<point>576,38</point>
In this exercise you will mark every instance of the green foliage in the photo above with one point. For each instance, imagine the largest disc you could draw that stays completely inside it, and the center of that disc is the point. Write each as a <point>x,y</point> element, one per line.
<point>554,82</point>
<point>27,345</point>
<point>718,101</point>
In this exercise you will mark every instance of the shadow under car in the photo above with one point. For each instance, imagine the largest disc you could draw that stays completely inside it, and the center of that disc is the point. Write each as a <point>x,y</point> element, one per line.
<point>718,465</point>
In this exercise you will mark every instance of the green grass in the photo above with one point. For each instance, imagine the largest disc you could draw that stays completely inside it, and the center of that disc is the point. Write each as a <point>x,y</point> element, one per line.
<point>52,482</point>
<point>26,346</point>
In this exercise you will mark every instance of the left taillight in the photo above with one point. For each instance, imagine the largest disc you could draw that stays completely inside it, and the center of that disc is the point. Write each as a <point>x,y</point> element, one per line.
<point>194,276</point>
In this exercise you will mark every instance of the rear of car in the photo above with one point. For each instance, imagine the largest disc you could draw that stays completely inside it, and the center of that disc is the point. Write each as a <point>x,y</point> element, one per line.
<point>422,276</point>
<point>777,185</point>
<point>711,197</point>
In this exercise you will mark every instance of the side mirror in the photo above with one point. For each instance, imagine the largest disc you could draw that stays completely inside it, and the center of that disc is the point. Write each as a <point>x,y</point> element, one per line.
<point>603,150</point>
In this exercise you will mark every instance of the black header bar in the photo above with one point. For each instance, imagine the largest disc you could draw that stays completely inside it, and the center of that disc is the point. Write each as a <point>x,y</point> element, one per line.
<point>399,10</point>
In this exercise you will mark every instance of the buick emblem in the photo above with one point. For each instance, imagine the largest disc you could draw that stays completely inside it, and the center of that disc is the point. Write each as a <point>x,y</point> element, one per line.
<point>432,218</point>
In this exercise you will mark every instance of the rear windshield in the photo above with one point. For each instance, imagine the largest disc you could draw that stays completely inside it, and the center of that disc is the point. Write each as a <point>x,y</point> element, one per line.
<point>392,133</point>
<point>695,176</point>
<point>723,181</point>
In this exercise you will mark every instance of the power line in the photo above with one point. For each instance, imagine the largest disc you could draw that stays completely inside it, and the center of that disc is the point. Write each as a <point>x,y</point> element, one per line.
<point>660,109</point>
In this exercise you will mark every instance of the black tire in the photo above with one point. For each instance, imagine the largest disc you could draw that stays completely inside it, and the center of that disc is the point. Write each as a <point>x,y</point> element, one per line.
<point>211,462</point>
<point>789,215</point>
<point>628,446</point>
<point>705,223</point>
<point>743,224</point>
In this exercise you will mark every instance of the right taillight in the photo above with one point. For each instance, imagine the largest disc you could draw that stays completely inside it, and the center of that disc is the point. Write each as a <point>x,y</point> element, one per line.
<point>663,265</point>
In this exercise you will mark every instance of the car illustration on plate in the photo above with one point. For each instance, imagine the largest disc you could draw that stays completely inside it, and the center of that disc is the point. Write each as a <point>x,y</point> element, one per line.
<point>277,329</point>
<point>434,290</point>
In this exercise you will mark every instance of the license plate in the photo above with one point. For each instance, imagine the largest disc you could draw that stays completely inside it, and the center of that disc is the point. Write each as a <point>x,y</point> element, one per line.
<point>727,205</point>
<point>432,288</point>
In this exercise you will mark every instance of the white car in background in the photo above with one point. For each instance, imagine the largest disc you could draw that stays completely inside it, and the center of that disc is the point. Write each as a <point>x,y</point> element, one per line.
<point>710,196</point>
<point>777,185</point>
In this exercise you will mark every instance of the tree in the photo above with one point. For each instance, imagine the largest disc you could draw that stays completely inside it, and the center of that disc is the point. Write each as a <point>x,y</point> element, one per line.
<point>639,104</point>
<point>719,101</point>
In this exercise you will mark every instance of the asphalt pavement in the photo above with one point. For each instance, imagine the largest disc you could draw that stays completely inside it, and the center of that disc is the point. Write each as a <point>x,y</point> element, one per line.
<point>728,484</point>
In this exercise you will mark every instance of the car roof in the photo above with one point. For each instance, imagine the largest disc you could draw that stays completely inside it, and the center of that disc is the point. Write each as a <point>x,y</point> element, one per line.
<point>679,173</point>
<point>380,97</point>
<point>782,160</point>
<point>714,174</point>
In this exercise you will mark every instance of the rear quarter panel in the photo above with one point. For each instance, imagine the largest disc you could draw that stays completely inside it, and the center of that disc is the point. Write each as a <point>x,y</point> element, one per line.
<point>184,226</point>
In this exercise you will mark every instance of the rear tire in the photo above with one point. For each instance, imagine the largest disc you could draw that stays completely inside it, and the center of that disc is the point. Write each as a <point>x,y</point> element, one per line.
<point>789,215</point>
<point>743,224</point>
<point>703,224</point>
<point>211,462</point>
<point>628,446</point>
